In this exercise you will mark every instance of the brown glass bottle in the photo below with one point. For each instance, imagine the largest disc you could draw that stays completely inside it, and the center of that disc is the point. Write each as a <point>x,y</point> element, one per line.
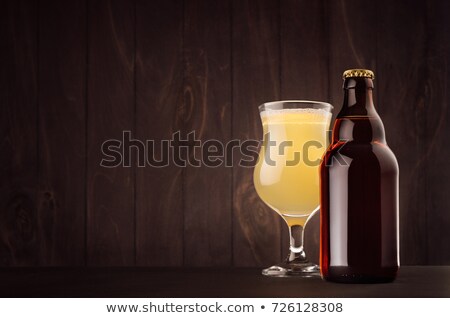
<point>359,192</point>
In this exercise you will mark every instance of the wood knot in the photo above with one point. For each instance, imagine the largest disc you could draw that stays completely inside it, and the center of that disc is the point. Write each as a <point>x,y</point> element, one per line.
<point>21,221</point>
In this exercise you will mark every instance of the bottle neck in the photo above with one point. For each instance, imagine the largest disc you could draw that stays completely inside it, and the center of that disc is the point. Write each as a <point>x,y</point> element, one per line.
<point>358,98</point>
<point>358,120</point>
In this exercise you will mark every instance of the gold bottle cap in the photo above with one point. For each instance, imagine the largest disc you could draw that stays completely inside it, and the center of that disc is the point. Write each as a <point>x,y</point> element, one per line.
<point>358,73</point>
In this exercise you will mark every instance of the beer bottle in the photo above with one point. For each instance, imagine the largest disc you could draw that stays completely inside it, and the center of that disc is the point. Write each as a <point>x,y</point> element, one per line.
<point>359,192</point>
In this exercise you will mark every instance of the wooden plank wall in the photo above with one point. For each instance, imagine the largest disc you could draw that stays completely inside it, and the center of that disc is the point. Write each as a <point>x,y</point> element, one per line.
<point>62,36</point>
<point>76,74</point>
<point>159,96</point>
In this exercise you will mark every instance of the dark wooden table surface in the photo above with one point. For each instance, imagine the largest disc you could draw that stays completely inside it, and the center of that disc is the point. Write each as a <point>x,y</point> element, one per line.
<point>417,281</point>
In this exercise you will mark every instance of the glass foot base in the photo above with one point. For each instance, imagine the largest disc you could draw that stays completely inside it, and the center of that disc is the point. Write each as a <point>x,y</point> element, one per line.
<point>292,269</point>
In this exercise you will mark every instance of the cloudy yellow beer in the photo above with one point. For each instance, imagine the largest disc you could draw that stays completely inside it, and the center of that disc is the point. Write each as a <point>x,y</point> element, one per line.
<point>286,176</point>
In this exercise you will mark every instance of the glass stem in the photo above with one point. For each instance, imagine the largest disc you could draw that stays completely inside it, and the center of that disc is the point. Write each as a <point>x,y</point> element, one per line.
<point>297,254</point>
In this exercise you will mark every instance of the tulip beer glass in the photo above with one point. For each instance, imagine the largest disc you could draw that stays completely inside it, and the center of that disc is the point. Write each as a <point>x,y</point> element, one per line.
<point>286,176</point>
